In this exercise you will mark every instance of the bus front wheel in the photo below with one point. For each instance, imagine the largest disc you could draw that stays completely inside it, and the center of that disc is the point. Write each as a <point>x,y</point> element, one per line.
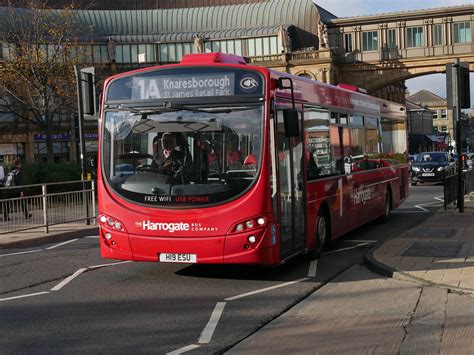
<point>321,235</point>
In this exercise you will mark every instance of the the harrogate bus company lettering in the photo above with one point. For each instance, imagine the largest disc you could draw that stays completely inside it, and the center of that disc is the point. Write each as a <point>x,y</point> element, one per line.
<point>362,195</point>
<point>174,227</point>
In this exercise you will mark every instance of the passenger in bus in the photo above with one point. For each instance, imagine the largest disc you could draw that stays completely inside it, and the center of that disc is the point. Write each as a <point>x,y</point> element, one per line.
<point>233,154</point>
<point>169,160</point>
<point>251,160</point>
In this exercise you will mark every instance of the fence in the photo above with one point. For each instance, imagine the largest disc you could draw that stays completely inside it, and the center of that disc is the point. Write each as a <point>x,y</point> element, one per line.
<point>451,186</point>
<point>43,205</point>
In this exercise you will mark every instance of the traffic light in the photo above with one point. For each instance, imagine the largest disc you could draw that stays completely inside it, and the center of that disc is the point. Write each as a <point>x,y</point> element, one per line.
<point>464,88</point>
<point>87,86</point>
<point>458,72</point>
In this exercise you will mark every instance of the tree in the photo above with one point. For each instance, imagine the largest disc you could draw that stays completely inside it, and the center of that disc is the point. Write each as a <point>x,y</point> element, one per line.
<point>37,73</point>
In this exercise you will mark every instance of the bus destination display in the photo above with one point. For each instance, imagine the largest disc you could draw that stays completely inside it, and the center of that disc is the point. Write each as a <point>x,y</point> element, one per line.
<point>182,86</point>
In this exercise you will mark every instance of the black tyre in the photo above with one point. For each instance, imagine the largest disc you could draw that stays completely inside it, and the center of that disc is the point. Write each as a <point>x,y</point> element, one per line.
<point>321,235</point>
<point>413,183</point>
<point>387,208</point>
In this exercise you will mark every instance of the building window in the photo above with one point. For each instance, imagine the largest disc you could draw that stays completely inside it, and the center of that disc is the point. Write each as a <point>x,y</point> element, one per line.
<point>436,114</point>
<point>415,37</point>
<point>444,114</point>
<point>444,128</point>
<point>462,32</point>
<point>348,42</point>
<point>435,129</point>
<point>437,35</point>
<point>391,39</point>
<point>370,41</point>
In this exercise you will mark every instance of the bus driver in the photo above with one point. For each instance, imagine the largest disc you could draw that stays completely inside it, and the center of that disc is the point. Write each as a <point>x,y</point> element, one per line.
<point>169,160</point>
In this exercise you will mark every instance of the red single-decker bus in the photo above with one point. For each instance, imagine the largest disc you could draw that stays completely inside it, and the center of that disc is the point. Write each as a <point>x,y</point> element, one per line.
<point>215,161</point>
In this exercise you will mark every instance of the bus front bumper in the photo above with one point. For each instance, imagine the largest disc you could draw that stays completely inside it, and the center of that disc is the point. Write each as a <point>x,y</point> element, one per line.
<point>230,249</point>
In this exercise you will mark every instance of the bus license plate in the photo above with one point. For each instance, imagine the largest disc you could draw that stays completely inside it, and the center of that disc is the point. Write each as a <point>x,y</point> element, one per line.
<point>428,174</point>
<point>178,258</point>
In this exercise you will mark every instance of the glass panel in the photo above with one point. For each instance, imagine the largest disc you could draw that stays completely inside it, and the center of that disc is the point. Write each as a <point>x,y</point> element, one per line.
<point>96,58</point>
<point>409,37</point>
<point>438,35</point>
<point>238,47</point>
<point>183,157</point>
<point>266,45</point>
<point>375,41</point>
<point>207,46</point>
<point>251,47</point>
<point>273,45</point>
<point>188,48</point>
<point>230,47</point>
<point>126,53</point>
<point>392,39</point>
<point>134,53</point>
<point>164,53</point>
<point>179,51</point>
<point>150,53</point>
<point>172,52</point>
<point>119,53</point>
<point>319,161</point>
<point>259,46</point>
<point>104,54</point>
<point>348,42</point>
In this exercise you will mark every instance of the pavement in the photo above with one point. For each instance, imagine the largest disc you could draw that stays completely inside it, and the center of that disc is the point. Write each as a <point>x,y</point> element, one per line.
<point>37,236</point>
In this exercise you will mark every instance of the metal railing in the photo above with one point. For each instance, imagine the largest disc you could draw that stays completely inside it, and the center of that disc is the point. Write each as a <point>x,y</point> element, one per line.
<point>451,186</point>
<point>43,205</point>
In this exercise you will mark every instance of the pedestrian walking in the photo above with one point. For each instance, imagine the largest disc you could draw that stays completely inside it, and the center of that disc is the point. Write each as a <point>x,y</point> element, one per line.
<point>14,181</point>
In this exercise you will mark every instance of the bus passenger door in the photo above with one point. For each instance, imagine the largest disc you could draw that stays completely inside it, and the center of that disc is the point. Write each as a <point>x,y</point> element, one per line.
<point>291,189</point>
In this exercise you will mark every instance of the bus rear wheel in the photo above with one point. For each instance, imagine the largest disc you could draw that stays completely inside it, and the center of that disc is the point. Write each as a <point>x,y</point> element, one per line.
<point>386,213</point>
<point>321,235</point>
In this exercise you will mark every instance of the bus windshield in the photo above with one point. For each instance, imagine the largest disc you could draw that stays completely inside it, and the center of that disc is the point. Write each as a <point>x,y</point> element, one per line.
<point>182,156</point>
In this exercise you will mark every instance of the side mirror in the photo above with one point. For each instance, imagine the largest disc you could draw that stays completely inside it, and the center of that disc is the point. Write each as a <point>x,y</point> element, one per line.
<point>291,122</point>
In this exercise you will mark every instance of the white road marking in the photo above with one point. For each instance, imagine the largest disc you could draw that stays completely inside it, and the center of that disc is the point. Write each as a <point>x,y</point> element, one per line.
<point>23,296</point>
<point>61,244</point>
<point>422,208</point>
<point>183,349</point>
<point>208,331</point>
<point>110,264</point>
<point>343,249</point>
<point>265,289</point>
<point>92,237</point>
<point>68,279</point>
<point>312,268</point>
<point>22,252</point>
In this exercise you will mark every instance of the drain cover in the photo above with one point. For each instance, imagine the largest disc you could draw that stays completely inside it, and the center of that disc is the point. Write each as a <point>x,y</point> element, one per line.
<point>434,250</point>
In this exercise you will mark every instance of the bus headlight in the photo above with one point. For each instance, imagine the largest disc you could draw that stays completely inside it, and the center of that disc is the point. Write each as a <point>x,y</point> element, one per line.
<point>249,225</point>
<point>111,223</point>
<point>252,239</point>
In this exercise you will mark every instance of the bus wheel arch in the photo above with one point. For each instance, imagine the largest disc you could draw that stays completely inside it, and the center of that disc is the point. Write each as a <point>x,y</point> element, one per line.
<point>322,231</point>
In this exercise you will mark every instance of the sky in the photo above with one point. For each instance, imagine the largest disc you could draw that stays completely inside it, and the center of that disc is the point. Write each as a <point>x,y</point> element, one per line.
<point>436,83</point>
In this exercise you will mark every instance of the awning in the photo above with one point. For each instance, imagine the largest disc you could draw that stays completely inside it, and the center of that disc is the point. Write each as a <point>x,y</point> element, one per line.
<point>436,138</point>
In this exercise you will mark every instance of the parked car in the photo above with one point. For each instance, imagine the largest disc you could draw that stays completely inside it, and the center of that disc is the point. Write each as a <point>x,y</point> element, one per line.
<point>431,167</point>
